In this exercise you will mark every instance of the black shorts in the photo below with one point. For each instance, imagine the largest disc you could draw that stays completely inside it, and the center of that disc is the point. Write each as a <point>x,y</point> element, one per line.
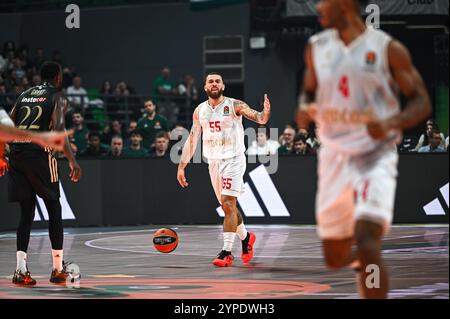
<point>32,173</point>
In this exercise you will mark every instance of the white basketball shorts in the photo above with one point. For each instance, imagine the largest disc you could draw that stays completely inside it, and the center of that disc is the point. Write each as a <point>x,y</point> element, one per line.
<point>227,176</point>
<point>354,188</point>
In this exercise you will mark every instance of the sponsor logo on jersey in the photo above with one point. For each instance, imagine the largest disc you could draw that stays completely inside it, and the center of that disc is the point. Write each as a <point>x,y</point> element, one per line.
<point>157,126</point>
<point>371,58</point>
<point>226,110</point>
<point>37,92</point>
<point>34,99</point>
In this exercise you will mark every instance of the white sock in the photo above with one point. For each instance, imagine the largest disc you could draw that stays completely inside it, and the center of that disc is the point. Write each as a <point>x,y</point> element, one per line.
<point>241,231</point>
<point>228,240</point>
<point>21,261</point>
<point>57,256</point>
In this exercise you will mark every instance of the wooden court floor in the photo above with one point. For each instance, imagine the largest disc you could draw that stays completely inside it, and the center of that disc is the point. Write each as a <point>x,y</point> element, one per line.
<point>121,262</point>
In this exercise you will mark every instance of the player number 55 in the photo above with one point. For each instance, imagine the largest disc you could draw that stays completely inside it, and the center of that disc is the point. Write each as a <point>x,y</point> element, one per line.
<point>215,126</point>
<point>226,183</point>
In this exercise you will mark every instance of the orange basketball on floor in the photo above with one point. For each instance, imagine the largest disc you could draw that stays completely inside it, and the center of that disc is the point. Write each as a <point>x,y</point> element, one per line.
<point>165,240</point>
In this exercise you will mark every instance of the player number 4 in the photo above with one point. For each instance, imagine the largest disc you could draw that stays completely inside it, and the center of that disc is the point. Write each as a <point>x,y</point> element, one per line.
<point>344,87</point>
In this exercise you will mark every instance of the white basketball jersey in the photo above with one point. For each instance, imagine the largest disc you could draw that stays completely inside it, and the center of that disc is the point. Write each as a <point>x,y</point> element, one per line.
<point>354,84</point>
<point>223,133</point>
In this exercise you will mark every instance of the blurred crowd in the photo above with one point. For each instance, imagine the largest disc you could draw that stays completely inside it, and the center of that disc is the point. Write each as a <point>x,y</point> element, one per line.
<point>114,121</point>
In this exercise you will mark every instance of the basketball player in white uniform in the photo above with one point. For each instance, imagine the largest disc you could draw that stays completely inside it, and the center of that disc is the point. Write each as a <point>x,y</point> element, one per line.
<point>220,120</point>
<point>352,77</point>
<point>8,133</point>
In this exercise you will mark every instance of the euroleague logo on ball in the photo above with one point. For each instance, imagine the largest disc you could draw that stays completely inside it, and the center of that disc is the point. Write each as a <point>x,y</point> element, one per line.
<point>165,240</point>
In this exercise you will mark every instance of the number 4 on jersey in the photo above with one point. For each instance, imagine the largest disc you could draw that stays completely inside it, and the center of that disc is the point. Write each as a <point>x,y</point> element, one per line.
<point>344,87</point>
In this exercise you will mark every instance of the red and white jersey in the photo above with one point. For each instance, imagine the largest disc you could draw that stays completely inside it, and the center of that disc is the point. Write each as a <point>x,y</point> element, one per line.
<point>223,132</point>
<point>354,84</point>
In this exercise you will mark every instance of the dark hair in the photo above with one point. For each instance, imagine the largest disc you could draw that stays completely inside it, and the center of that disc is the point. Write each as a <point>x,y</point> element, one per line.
<point>435,131</point>
<point>300,137</point>
<point>49,70</point>
<point>213,73</point>
<point>77,111</point>
<point>136,132</point>
<point>160,134</point>
<point>93,134</point>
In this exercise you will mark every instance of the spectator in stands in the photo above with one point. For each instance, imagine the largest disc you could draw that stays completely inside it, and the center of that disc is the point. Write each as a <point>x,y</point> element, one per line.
<point>9,46</point>
<point>106,90</point>
<point>188,88</point>
<point>287,141</point>
<point>17,72</point>
<point>113,129</point>
<point>36,80</point>
<point>80,131</point>
<point>80,99</point>
<point>164,91</point>
<point>25,60</point>
<point>25,83</point>
<point>151,124</point>
<point>163,85</point>
<point>135,149</point>
<point>3,99</point>
<point>73,146</point>
<point>313,139</point>
<point>116,147</point>
<point>263,145</point>
<point>446,143</point>
<point>161,149</point>
<point>39,58</point>
<point>95,147</point>
<point>301,147</point>
<point>3,62</point>
<point>132,125</point>
<point>57,57</point>
<point>434,145</point>
<point>424,138</point>
<point>68,75</point>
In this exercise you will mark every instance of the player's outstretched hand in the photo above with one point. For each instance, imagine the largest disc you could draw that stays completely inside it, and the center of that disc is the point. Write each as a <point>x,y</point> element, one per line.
<point>3,167</point>
<point>54,140</point>
<point>75,171</point>
<point>181,178</point>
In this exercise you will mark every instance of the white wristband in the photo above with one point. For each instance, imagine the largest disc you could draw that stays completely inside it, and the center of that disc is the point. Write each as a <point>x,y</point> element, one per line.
<point>5,119</point>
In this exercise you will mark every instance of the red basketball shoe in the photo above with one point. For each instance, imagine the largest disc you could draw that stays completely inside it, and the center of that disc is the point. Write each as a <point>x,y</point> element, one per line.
<point>223,259</point>
<point>247,247</point>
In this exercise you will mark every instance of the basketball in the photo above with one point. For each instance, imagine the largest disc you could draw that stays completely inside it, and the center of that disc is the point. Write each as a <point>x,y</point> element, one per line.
<point>165,240</point>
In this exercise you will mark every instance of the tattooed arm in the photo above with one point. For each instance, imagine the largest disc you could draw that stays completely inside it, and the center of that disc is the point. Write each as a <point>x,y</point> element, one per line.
<point>189,148</point>
<point>243,109</point>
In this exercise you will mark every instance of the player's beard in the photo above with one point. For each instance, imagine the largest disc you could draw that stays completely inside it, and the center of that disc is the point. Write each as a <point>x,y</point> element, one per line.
<point>214,95</point>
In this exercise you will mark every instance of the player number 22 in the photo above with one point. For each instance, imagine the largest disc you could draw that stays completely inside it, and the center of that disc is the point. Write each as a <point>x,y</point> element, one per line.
<point>226,183</point>
<point>215,126</point>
